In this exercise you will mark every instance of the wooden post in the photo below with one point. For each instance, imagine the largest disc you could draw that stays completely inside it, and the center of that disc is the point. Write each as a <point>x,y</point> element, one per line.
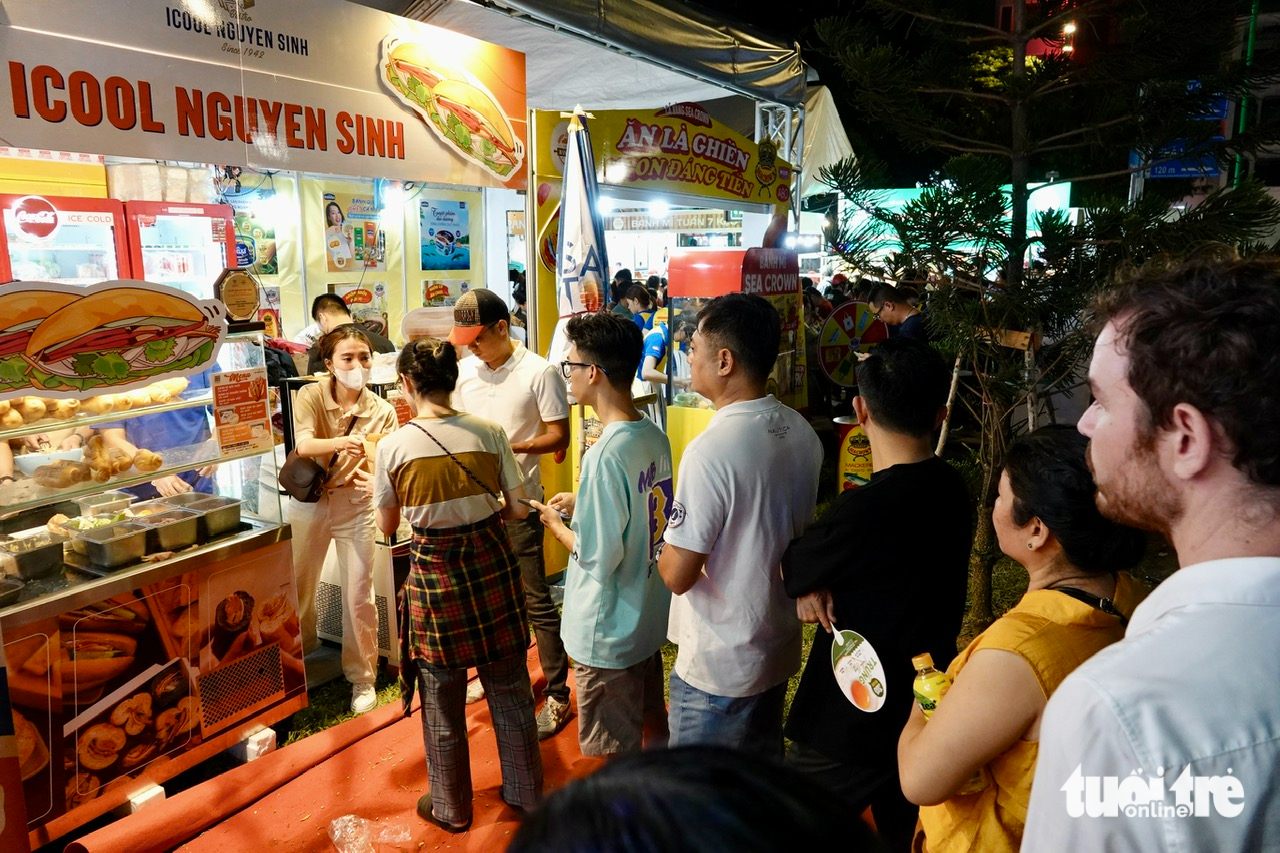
<point>951,399</point>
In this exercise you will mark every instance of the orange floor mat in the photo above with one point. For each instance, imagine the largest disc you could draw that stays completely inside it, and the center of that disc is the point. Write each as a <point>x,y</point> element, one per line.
<point>373,766</point>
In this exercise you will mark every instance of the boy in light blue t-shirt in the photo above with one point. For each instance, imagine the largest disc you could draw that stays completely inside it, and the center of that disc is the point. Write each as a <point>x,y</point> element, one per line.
<point>615,603</point>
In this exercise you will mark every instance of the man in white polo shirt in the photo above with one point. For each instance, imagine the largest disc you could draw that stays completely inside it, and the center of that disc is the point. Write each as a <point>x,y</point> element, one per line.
<point>746,487</point>
<point>520,390</point>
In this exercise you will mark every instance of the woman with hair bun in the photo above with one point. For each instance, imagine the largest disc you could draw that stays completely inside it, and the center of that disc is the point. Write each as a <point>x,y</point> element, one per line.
<point>970,766</point>
<point>454,479</point>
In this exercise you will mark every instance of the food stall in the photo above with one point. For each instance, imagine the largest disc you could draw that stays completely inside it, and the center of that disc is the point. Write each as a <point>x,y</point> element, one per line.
<point>344,151</point>
<point>678,156</point>
<point>698,275</point>
<point>141,635</point>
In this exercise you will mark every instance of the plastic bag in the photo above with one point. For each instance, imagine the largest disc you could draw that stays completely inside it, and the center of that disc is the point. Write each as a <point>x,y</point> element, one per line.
<point>352,834</point>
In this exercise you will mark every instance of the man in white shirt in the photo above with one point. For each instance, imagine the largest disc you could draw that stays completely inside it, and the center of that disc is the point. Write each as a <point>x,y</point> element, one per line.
<point>1170,739</point>
<point>506,383</point>
<point>746,487</point>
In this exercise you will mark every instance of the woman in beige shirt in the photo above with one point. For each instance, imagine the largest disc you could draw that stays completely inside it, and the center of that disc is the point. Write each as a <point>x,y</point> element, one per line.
<point>344,514</point>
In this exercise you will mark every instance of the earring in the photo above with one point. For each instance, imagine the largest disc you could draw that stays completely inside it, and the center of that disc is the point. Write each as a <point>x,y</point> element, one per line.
<point>1031,546</point>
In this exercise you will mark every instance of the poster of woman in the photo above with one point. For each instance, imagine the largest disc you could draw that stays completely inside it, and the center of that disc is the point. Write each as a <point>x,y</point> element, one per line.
<point>351,234</point>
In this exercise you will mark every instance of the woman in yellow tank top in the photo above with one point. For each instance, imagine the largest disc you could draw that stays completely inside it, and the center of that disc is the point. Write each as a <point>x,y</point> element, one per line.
<point>970,767</point>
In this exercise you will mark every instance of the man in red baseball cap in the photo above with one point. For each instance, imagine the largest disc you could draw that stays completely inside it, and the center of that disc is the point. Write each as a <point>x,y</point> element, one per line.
<point>517,388</point>
<point>475,311</point>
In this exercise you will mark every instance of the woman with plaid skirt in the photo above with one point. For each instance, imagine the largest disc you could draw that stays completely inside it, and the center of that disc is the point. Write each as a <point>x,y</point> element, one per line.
<point>463,604</point>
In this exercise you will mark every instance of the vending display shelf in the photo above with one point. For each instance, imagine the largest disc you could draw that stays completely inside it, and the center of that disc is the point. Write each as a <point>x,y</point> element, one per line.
<point>78,585</point>
<point>202,397</point>
<point>23,494</point>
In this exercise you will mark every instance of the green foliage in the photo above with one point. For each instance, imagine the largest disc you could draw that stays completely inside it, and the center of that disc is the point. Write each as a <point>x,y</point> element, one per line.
<point>942,78</point>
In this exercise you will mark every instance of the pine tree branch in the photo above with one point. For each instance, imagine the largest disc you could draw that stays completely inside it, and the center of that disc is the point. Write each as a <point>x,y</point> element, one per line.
<point>1040,145</point>
<point>955,141</point>
<point>964,93</point>
<point>991,32</point>
<point>1077,11</point>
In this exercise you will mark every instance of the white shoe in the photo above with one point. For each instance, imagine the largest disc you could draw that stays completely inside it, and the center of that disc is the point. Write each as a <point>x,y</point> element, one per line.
<point>553,717</point>
<point>363,698</point>
<point>475,692</point>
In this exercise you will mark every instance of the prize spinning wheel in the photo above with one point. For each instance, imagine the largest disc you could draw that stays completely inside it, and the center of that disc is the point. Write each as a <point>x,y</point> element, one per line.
<point>850,329</point>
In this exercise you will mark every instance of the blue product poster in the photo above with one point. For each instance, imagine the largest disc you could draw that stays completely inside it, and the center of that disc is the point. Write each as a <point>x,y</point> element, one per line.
<point>445,235</point>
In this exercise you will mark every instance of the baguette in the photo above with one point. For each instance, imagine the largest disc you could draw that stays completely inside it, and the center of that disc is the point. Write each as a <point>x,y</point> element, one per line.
<point>32,409</point>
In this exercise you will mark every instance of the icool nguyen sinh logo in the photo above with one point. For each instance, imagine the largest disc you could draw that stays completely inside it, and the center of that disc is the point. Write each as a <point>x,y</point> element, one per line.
<point>1141,796</point>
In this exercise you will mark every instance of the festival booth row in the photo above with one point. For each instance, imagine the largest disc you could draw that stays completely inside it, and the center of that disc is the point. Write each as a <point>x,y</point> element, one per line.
<point>679,157</point>
<point>231,162</point>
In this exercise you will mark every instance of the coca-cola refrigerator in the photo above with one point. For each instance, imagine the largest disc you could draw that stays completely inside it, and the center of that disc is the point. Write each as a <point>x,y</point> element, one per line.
<point>62,239</point>
<point>182,245</point>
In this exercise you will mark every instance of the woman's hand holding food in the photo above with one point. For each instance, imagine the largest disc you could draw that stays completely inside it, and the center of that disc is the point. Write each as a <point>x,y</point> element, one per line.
<point>350,445</point>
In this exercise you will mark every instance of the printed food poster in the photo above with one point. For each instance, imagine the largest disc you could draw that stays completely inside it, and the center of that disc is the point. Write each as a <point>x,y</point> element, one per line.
<point>445,291</point>
<point>367,302</point>
<point>353,239</point>
<point>269,313</point>
<point>255,233</point>
<point>249,612</point>
<point>74,342</point>
<point>103,692</point>
<point>240,411</point>
<point>445,235</point>
<point>455,104</point>
<point>858,670</point>
<point>104,696</point>
<point>22,754</point>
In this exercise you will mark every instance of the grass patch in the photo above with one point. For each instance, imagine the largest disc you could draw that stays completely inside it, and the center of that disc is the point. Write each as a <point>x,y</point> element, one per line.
<point>328,705</point>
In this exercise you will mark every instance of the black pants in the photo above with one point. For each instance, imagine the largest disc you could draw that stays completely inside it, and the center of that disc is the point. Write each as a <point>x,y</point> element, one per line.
<point>861,786</point>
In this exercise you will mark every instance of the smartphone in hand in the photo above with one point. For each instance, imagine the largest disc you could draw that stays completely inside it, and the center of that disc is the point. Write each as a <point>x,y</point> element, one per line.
<point>564,516</point>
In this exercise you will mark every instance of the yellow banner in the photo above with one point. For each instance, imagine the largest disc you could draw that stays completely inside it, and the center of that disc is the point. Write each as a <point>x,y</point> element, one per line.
<point>678,148</point>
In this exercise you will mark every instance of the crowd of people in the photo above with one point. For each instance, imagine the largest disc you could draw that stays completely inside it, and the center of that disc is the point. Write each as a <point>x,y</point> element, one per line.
<point>1083,681</point>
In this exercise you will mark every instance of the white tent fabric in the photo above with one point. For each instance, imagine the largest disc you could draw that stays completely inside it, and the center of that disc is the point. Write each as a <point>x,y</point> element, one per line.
<point>562,70</point>
<point>825,141</point>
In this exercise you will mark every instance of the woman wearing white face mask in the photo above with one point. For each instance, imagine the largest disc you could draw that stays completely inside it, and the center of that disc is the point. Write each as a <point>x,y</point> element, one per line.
<point>344,513</point>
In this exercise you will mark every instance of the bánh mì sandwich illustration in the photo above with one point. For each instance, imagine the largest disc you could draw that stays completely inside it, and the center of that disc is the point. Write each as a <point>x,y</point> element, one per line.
<point>21,311</point>
<point>120,335</point>
<point>455,105</point>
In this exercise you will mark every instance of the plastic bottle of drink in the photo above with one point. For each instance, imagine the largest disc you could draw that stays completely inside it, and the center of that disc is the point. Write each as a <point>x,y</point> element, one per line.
<point>930,684</point>
<point>929,688</point>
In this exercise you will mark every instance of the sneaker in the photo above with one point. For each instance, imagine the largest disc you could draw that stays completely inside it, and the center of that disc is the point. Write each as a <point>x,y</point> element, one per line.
<point>475,692</point>
<point>553,717</point>
<point>363,698</point>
